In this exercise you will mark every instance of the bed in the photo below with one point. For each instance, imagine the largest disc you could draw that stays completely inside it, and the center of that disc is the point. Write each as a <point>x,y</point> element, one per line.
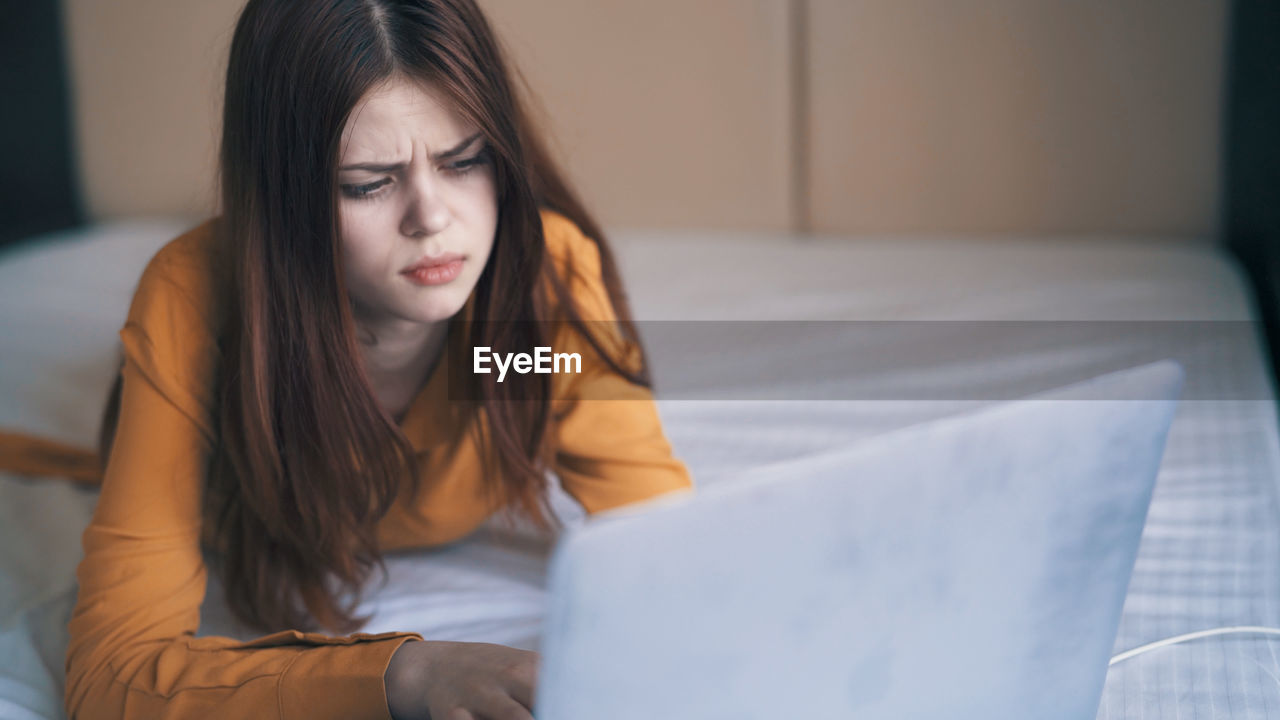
<point>885,332</point>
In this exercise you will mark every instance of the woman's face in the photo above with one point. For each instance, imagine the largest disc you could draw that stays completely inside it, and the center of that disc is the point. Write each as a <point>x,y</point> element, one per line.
<point>415,187</point>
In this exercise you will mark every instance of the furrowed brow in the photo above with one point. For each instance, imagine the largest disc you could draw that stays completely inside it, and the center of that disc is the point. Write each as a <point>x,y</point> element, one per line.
<point>449,154</point>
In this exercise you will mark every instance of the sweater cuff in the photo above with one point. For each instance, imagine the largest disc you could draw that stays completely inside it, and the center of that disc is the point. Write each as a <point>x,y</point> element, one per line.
<point>341,680</point>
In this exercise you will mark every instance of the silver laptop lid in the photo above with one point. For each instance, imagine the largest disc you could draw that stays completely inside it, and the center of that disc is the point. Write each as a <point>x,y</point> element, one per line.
<point>973,567</point>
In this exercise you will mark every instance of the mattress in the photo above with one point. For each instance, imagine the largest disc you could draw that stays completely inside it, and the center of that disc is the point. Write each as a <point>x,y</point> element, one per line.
<point>871,334</point>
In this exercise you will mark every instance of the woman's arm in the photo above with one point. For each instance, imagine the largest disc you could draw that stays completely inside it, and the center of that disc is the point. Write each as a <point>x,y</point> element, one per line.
<point>610,446</point>
<point>132,651</point>
<point>614,452</point>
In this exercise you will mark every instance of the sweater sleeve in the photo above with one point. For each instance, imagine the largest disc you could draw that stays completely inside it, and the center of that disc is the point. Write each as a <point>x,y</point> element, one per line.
<point>132,651</point>
<point>610,448</point>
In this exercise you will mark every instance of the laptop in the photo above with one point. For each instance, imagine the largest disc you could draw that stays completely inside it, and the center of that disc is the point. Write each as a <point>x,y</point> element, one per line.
<point>971,567</point>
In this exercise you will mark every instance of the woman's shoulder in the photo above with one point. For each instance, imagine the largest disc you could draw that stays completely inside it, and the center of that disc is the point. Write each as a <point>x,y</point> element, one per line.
<point>566,243</point>
<point>173,331</point>
<point>575,257</point>
<point>182,277</point>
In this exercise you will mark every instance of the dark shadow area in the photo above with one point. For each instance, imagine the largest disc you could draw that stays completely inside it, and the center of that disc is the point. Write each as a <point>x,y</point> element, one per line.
<point>1251,197</point>
<point>37,177</point>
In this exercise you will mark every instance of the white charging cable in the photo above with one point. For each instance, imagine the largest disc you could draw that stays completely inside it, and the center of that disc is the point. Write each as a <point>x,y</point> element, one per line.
<point>1235,630</point>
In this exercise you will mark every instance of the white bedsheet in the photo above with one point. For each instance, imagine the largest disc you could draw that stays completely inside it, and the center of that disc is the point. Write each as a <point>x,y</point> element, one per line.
<point>1210,555</point>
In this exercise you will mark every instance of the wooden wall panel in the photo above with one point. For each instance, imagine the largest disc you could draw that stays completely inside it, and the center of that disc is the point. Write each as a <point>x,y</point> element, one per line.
<point>668,113</point>
<point>147,81</point>
<point>1023,116</point>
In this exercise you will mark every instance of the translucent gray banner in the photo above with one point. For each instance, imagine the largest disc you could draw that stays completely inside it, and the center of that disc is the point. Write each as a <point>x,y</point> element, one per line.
<point>879,360</point>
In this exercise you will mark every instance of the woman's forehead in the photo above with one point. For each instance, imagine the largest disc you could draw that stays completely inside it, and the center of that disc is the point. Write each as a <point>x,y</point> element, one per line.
<point>400,115</point>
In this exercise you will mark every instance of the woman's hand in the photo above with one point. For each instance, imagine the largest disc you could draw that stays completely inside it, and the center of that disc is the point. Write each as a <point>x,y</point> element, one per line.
<point>444,680</point>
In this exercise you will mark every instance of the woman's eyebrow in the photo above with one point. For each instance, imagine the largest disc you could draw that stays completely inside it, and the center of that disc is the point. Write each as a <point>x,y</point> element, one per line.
<point>443,155</point>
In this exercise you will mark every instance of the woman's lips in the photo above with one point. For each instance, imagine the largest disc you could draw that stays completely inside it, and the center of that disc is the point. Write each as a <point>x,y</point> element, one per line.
<point>434,271</point>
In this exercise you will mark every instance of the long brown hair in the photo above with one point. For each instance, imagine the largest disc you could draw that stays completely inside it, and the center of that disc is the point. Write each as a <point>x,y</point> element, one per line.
<point>308,461</point>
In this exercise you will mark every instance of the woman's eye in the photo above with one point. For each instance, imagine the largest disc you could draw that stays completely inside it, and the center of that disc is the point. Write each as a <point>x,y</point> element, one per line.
<point>364,191</point>
<point>462,167</point>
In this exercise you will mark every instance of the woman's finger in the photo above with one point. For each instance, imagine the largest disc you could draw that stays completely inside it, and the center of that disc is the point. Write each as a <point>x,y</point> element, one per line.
<point>522,685</point>
<point>502,707</point>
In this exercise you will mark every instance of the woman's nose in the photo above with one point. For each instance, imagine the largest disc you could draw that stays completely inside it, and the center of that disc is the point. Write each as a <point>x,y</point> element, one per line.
<point>425,214</point>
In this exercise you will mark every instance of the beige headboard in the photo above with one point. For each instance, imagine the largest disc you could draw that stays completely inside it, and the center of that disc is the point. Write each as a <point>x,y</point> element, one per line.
<point>834,116</point>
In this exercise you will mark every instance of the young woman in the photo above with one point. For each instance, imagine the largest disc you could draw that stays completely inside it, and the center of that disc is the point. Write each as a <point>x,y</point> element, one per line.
<point>297,393</point>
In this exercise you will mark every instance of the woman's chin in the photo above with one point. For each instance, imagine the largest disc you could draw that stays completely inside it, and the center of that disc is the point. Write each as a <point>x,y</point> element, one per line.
<point>437,311</point>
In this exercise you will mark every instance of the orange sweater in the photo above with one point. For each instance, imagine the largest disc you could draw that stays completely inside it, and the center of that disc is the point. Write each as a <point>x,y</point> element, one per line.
<point>132,652</point>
